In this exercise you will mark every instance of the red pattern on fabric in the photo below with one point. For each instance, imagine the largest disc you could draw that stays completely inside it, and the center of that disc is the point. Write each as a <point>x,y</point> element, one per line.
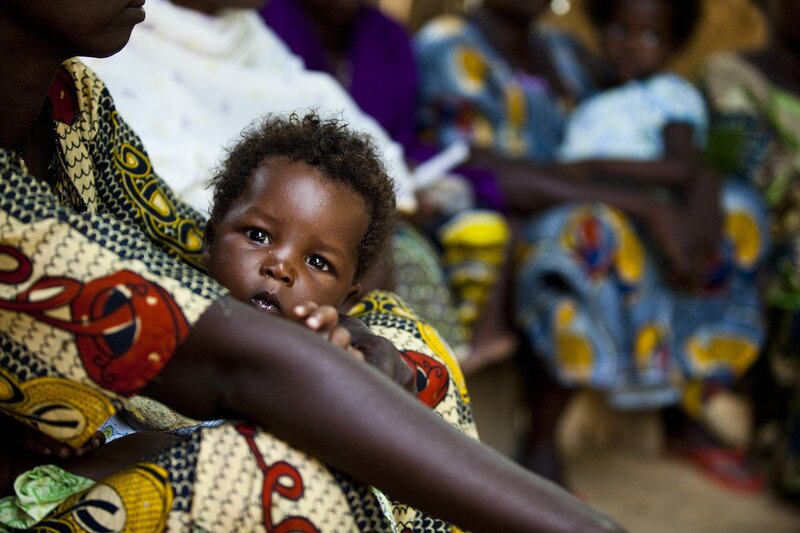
<point>126,328</point>
<point>273,476</point>
<point>431,376</point>
<point>63,99</point>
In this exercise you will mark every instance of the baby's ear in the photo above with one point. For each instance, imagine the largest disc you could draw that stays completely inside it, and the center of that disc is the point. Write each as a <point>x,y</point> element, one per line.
<point>208,243</point>
<point>353,292</point>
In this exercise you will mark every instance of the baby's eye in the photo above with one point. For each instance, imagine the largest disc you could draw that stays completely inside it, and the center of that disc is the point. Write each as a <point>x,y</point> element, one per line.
<point>318,263</point>
<point>258,235</point>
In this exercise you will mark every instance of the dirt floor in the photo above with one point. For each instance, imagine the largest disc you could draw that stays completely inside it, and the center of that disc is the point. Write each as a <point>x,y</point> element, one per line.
<point>619,466</point>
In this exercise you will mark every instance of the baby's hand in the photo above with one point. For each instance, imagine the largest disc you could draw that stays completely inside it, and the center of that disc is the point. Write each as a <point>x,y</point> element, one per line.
<point>324,320</point>
<point>380,353</point>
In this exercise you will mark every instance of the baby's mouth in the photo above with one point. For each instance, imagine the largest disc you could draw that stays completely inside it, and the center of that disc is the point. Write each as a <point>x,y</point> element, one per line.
<point>267,302</point>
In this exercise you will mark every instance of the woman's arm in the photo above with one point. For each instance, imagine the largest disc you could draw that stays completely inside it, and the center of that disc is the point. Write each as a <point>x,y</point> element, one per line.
<point>674,170</point>
<point>520,178</point>
<point>687,226</point>
<point>236,362</point>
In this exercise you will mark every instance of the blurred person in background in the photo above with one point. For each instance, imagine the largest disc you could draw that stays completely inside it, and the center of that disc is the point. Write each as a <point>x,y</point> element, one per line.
<point>631,287</point>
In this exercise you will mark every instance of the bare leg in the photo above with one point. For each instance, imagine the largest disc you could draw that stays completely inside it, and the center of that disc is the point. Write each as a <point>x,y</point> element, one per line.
<point>546,401</point>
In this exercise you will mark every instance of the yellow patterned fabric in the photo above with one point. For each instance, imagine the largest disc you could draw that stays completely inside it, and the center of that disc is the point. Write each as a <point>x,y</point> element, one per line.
<point>96,291</point>
<point>94,297</point>
<point>474,246</point>
<point>277,487</point>
<point>440,383</point>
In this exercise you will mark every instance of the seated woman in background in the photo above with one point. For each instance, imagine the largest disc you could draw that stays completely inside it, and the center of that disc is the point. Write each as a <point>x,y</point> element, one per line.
<point>101,301</point>
<point>368,53</point>
<point>592,296</point>
<point>755,135</point>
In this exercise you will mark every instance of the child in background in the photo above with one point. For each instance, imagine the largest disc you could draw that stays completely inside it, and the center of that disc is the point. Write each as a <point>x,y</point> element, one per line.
<point>647,131</point>
<point>600,307</point>
<point>647,134</point>
<point>637,40</point>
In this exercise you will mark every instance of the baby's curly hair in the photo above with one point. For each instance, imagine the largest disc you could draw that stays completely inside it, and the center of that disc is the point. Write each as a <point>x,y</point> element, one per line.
<point>343,155</point>
<point>685,17</point>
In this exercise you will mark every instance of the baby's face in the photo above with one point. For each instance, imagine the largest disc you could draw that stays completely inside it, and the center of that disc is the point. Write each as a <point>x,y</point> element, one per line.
<point>292,237</point>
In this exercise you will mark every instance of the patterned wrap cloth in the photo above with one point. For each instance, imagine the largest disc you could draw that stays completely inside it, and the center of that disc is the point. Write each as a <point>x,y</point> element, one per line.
<point>590,294</point>
<point>756,135</point>
<point>467,91</point>
<point>96,292</point>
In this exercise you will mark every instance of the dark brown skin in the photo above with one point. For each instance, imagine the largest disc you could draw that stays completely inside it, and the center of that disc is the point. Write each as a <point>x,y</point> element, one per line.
<point>687,229</point>
<point>377,449</point>
<point>238,362</point>
<point>639,42</point>
<point>333,20</point>
<point>94,460</point>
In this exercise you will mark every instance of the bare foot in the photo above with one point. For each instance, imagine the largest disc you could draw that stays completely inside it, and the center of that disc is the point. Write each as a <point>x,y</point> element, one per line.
<point>487,351</point>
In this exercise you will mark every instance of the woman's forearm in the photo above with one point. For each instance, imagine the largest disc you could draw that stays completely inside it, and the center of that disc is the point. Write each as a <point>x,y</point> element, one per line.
<point>539,188</point>
<point>529,188</point>
<point>671,173</point>
<point>238,362</point>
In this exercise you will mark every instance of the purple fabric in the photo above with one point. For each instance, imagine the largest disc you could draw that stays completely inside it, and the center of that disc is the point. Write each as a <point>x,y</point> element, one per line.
<point>383,78</point>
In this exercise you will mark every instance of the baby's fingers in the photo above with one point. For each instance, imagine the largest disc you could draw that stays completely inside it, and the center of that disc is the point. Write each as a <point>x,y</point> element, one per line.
<point>322,319</point>
<point>340,337</point>
<point>304,310</point>
<point>355,352</point>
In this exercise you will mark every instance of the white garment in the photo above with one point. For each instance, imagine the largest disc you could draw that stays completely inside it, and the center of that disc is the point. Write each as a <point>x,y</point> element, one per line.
<point>627,122</point>
<point>188,83</point>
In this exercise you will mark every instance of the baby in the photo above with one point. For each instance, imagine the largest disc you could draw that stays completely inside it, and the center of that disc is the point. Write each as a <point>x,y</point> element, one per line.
<point>302,208</point>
